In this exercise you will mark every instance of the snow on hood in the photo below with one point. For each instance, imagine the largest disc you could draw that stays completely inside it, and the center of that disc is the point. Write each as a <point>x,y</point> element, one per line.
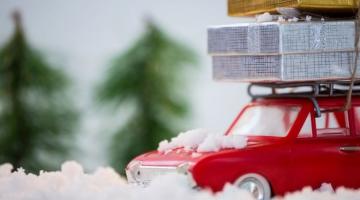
<point>201,140</point>
<point>105,184</point>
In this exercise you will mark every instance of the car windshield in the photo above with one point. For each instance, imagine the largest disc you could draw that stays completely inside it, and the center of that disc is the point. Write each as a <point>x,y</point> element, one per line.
<point>265,120</point>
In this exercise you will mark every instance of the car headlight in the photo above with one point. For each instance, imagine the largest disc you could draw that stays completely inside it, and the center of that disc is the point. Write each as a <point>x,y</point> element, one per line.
<point>132,171</point>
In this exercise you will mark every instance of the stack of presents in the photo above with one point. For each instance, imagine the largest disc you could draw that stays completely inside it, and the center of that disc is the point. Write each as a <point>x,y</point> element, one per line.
<point>300,40</point>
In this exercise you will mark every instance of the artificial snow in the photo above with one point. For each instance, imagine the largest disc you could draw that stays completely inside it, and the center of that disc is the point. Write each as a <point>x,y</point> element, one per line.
<point>5,169</point>
<point>189,140</point>
<point>294,19</point>
<point>105,184</point>
<point>201,140</point>
<point>326,187</point>
<point>266,17</point>
<point>216,142</point>
<point>281,19</point>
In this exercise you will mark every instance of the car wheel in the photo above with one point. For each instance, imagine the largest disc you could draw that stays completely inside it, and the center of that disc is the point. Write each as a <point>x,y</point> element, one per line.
<point>256,184</point>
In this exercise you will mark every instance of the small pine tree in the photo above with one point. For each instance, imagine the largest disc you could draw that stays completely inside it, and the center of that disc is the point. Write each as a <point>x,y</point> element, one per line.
<point>35,116</point>
<point>148,77</point>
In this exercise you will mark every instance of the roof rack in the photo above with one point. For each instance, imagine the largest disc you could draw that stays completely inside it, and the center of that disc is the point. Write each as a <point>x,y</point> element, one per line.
<point>308,90</point>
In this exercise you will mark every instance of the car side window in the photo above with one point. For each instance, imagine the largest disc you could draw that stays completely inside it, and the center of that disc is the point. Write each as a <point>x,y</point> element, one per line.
<point>306,130</point>
<point>332,124</point>
<point>357,119</point>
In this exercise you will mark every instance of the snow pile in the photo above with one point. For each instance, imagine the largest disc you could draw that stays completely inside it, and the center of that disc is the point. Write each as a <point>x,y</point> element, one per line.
<point>308,194</point>
<point>178,188</point>
<point>189,140</point>
<point>294,19</point>
<point>201,140</point>
<point>217,142</point>
<point>69,183</point>
<point>105,184</point>
<point>265,17</point>
<point>281,19</point>
<point>5,170</point>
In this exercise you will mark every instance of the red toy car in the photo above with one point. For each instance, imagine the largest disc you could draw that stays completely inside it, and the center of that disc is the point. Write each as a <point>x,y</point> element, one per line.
<point>294,140</point>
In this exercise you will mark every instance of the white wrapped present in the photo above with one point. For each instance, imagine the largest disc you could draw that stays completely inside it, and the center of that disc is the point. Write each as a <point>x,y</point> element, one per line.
<point>281,37</point>
<point>247,68</point>
<point>303,51</point>
<point>244,38</point>
<point>287,68</point>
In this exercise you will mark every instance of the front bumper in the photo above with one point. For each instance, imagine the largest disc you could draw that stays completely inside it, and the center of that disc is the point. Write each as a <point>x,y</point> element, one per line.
<point>138,174</point>
<point>143,175</point>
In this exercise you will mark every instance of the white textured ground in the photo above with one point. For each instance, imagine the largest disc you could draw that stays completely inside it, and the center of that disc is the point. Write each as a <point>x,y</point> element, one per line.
<point>105,184</point>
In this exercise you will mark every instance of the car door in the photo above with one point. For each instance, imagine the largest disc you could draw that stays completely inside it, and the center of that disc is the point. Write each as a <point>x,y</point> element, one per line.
<point>317,156</point>
<point>349,151</point>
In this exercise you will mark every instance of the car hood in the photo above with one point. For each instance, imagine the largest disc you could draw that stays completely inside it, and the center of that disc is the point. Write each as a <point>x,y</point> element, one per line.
<point>175,157</point>
<point>179,156</point>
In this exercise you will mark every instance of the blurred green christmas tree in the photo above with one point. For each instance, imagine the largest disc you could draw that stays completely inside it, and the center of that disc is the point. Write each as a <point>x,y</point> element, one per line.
<point>148,78</point>
<point>35,116</point>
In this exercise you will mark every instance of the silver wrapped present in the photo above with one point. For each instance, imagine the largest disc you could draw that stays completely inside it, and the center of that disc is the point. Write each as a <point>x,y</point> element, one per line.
<point>275,37</point>
<point>317,36</point>
<point>247,68</point>
<point>302,51</point>
<point>244,38</point>
<point>287,68</point>
<point>318,66</point>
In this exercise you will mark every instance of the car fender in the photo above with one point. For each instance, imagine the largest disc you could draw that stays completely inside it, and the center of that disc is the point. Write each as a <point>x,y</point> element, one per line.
<point>217,169</point>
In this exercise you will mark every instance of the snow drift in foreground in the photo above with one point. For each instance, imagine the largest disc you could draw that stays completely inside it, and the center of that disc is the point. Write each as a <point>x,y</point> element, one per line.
<point>105,184</point>
<point>202,140</point>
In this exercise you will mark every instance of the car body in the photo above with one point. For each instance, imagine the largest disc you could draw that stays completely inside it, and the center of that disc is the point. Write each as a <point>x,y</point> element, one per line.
<point>309,151</point>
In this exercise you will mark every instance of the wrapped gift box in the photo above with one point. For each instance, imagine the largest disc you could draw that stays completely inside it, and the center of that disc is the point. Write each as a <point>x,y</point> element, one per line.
<point>274,37</point>
<point>244,38</point>
<point>247,68</point>
<point>304,51</point>
<point>285,68</point>
<point>252,7</point>
<point>317,36</point>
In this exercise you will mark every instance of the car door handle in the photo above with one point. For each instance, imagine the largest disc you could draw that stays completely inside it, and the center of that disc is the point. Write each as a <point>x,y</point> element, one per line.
<point>349,148</point>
